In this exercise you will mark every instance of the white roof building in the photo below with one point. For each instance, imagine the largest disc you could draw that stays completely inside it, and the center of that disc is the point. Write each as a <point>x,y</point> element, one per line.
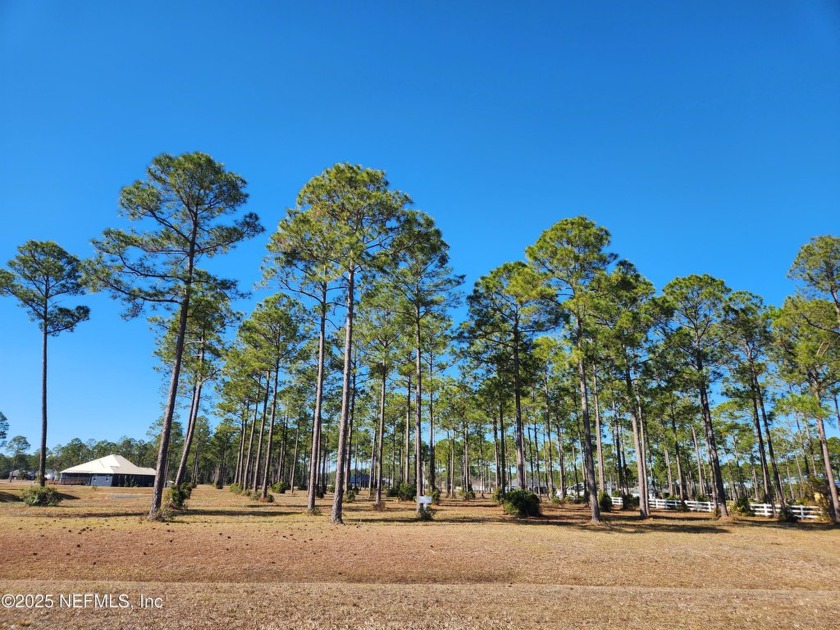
<point>108,465</point>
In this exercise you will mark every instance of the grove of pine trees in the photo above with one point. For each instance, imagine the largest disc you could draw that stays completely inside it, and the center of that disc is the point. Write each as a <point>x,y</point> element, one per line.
<point>369,370</point>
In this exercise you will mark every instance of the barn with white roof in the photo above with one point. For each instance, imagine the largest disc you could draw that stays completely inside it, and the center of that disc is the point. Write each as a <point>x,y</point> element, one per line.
<point>111,470</point>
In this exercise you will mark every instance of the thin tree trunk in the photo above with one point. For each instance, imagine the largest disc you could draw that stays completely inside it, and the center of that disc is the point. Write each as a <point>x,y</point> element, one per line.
<point>589,462</point>
<point>338,500</point>
<point>270,433</point>
<point>598,436</point>
<point>519,437</point>
<point>166,428</point>
<point>42,460</point>
<point>315,457</point>
<point>262,433</point>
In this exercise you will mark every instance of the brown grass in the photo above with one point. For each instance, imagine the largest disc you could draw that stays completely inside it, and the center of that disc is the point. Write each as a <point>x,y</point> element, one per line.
<point>229,561</point>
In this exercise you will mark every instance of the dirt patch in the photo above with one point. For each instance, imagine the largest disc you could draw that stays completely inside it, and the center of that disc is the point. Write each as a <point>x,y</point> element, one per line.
<point>243,562</point>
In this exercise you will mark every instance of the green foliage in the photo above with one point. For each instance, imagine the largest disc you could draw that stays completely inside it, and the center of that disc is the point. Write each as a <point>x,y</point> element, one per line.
<point>37,496</point>
<point>605,501</point>
<point>436,496</point>
<point>268,498</point>
<point>392,491</point>
<point>498,496</point>
<point>629,502</point>
<point>786,515</point>
<point>280,487</point>
<point>350,495</point>
<point>424,513</point>
<point>406,491</point>
<point>176,496</point>
<point>742,506</point>
<point>235,488</point>
<point>521,503</point>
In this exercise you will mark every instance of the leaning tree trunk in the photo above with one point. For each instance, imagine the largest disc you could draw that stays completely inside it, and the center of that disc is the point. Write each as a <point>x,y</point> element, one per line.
<point>834,504</point>
<point>166,429</point>
<point>185,452</point>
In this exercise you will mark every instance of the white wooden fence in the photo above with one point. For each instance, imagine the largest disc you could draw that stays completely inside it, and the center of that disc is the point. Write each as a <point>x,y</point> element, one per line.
<point>801,511</point>
<point>759,509</point>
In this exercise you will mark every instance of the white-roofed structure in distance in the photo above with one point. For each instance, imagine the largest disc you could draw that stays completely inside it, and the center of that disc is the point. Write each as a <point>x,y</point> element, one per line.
<point>111,470</point>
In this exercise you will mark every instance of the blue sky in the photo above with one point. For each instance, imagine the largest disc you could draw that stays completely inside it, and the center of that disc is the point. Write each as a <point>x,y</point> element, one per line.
<point>705,137</point>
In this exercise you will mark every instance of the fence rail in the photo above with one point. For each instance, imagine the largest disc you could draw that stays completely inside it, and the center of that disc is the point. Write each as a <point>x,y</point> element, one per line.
<point>812,512</point>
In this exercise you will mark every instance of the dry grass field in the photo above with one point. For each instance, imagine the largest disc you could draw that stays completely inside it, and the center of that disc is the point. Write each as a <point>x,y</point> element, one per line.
<point>228,562</point>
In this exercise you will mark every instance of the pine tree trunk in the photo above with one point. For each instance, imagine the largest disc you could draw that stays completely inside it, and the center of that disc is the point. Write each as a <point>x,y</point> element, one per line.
<point>42,459</point>
<point>344,422</point>
<point>589,462</point>
<point>315,452</point>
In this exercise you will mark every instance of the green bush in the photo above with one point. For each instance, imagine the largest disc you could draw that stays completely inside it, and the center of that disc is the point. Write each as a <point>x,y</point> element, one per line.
<point>280,487</point>
<point>350,495</point>
<point>269,498</point>
<point>786,515</point>
<point>468,495</point>
<point>235,488</point>
<point>406,492</point>
<point>436,496</point>
<point>392,491</point>
<point>521,503</point>
<point>176,496</point>
<point>742,506</point>
<point>36,496</point>
<point>629,502</point>
<point>605,501</point>
<point>424,513</point>
<point>498,496</point>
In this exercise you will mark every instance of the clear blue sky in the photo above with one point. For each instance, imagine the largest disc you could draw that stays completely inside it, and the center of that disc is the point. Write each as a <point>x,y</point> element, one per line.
<point>704,136</point>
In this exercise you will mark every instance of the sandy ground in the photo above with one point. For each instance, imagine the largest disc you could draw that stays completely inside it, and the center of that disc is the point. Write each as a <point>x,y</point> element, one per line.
<point>230,562</point>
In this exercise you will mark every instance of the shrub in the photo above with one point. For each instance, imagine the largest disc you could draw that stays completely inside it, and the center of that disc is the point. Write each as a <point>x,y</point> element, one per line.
<point>36,496</point>
<point>331,488</point>
<point>498,496</point>
<point>176,496</point>
<point>702,497</point>
<point>436,496</point>
<point>280,487</point>
<point>424,513</point>
<point>269,498</point>
<point>469,495</point>
<point>219,485</point>
<point>629,502</point>
<point>521,503</point>
<point>350,495</point>
<point>235,488</point>
<point>605,501</point>
<point>555,500</point>
<point>392,491</point>
<point>406,492</point>
<point>742,506</point>
<point>786,515</point>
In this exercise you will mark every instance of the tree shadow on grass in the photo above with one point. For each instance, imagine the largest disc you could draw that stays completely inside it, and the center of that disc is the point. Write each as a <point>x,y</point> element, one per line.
<point>7,497</point>
<point>238,511</point>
